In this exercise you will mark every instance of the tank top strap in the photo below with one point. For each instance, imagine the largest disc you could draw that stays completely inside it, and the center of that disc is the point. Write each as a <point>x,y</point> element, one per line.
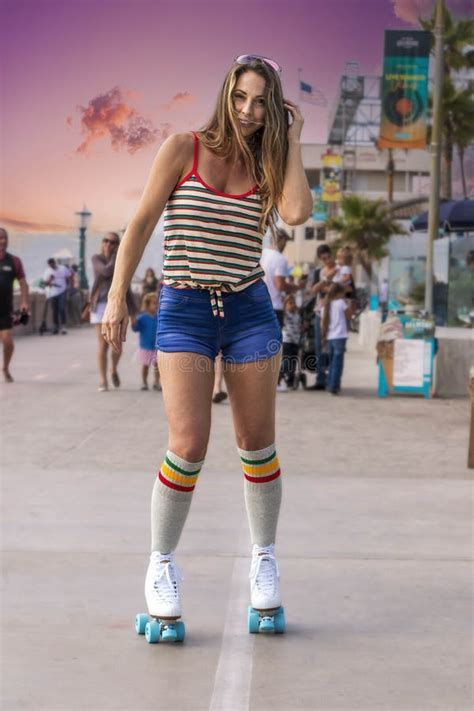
<point>196,153</point>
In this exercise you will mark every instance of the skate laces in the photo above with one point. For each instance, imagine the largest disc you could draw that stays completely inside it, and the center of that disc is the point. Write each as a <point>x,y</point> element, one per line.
<point>167,578</point>
<point>264,569</point>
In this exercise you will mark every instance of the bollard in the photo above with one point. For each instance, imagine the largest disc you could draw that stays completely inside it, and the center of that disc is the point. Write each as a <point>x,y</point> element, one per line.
<point>470,456</point>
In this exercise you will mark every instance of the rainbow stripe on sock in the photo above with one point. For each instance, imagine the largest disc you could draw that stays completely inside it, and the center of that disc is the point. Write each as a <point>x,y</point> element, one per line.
<point>177,477</point>
<point>259,471</point>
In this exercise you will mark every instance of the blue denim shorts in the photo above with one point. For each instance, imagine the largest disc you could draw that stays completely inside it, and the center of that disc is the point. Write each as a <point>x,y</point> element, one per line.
<point>249,330</point>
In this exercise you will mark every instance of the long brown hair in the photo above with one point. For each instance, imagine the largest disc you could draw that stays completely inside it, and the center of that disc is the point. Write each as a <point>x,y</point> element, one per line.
<point>266,151</point>
<point>336,291</point>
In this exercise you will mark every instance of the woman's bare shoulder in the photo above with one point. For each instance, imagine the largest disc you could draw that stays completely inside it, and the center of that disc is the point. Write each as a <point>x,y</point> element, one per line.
<point>181,145</point>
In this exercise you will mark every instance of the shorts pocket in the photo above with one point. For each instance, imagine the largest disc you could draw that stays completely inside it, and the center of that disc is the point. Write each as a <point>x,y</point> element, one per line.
<point>172,302</point>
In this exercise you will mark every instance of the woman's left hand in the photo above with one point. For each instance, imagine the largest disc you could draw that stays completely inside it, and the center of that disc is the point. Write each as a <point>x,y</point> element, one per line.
<point>294,131</point>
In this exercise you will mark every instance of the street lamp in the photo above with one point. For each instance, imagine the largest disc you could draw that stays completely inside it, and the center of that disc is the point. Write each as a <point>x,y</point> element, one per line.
<point>84,214</point>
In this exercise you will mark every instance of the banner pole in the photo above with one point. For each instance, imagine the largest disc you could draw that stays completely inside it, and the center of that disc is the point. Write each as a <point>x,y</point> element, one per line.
<point>433,213</point>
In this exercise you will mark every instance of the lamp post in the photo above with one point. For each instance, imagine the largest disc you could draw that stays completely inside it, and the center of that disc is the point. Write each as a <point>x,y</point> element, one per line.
<point>84,214</point>
<point>433,212</point>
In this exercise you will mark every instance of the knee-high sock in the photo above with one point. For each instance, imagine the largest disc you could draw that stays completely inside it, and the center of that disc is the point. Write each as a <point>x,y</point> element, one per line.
<point>262,493</point>
<point>170,501</point>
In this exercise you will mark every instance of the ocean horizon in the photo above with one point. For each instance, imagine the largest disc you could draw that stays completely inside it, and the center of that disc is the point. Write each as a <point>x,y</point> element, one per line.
<point>34,250</point>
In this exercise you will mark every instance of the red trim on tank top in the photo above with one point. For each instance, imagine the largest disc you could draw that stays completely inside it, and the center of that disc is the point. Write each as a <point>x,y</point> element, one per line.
<point>194,171</point>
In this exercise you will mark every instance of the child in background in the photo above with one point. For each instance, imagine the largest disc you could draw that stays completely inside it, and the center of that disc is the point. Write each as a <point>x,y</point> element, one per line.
<point>146,324</point>
<point>335,313</point>
<point>344,263</point>
<point>291,341</point>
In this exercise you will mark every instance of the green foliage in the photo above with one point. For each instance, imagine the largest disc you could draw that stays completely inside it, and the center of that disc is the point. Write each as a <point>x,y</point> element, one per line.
<point>458,40</point>
<point>417,294</point>
<point>366,225</point>
<point>457,104</point>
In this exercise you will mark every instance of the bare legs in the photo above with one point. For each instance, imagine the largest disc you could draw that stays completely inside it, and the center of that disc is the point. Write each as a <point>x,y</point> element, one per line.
<point>8,348</point>
<point>252,392</point>
<point>156,372</point>
<point>102,350</point>
<point>218,393</point>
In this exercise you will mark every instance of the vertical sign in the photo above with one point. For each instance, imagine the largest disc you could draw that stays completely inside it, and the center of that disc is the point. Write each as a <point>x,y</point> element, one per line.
<point>319,208</point>
<point>332,167</point>
<point>405,89</point>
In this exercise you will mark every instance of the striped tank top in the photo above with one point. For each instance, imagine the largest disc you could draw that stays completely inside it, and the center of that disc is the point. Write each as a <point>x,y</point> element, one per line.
<point>212,239</point>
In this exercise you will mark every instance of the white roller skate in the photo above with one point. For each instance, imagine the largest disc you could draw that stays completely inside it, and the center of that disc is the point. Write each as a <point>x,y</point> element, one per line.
<point>163,599</point>
<point>265,613</point>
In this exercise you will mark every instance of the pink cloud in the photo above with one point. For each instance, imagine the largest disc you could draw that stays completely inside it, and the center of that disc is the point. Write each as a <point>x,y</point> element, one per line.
<point>69,120</point>
<point>23,225</point>
<point>182,98</point>
<point>110,116</point>
<point>411,10</point>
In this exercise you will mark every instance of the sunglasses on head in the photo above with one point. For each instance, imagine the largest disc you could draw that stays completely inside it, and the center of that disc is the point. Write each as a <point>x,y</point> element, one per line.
<point>248,58</point>
<point>109,241</point>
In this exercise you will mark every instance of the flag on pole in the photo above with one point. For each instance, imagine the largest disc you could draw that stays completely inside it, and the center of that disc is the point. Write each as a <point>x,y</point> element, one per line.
<point>311,95</point>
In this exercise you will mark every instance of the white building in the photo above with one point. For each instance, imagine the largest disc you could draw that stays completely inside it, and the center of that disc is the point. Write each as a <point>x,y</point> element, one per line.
<point>366,174</point>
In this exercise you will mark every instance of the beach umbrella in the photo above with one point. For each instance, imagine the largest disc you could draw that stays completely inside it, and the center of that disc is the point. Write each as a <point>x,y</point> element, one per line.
<point>454,216</point>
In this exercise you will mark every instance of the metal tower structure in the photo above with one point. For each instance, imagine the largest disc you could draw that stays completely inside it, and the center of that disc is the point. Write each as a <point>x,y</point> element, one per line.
<point>355,118</point>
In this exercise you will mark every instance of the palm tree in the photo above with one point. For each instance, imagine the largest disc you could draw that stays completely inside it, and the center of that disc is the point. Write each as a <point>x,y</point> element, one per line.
<point>366,225</point>
<point>458,125</point>
<point>463,134</point>
<point>458,54</point>
<point>458,41</point>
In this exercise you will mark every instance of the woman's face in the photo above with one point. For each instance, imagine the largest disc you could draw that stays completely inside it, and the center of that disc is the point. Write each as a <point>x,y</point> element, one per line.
<point>109,245</point>
<point>249,100</point>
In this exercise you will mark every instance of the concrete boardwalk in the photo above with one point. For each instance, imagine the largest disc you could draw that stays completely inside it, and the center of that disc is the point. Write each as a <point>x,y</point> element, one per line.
<point>374,547</point>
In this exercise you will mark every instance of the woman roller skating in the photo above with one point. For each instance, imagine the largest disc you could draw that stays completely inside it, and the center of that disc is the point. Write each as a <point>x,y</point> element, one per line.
<point>220,188</point>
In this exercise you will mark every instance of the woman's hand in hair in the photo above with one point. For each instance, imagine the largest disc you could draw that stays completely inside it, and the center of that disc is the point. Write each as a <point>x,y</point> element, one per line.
<point>294,131</point>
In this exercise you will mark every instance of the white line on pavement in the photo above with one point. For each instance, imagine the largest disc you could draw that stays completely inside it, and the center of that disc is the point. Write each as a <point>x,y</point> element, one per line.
<point>40,376</point>
<point>234,668</point>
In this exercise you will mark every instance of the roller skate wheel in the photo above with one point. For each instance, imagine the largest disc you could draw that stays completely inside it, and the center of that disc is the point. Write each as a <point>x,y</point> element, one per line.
<point>152,632</point>
<point>180,631</point>
<point>168,633</point>
<point>253,621</point>
<point>279,621</point>
<point>140,623</point>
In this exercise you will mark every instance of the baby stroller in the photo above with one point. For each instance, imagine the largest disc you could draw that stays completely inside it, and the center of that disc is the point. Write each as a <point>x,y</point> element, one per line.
<point>306,355</point>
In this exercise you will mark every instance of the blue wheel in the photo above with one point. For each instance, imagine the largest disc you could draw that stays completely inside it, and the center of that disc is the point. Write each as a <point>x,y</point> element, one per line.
<point>168,633</point>
<point>140,623</point>
<point>279,620</point>
<point>253,621</point>
<point>152,632</point>
<point>180,631</point>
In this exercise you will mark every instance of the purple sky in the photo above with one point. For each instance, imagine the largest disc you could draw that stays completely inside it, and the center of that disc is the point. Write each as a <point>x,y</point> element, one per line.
<point>93,86</point>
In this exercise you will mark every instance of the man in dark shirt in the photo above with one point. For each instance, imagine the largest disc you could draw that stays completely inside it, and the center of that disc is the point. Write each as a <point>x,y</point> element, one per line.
<point>11,268</point>
<point>320,287</point>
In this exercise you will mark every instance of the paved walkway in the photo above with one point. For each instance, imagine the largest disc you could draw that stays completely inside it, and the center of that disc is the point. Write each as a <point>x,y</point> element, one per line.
<point>374,548</point>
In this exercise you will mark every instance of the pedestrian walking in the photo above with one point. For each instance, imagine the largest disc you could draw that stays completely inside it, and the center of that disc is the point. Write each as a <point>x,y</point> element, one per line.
<point>218,393</point>
<point>56,278</point>
<point>277,273</point>
<point>291,344</point>
<point>334,314</point>
<point>74,297</point>
<point>11,269</point>
<point>323,278</point>
<point>150,282</point>
<point>146,324</point>
<point>220,188</point>
<point>104,265</point>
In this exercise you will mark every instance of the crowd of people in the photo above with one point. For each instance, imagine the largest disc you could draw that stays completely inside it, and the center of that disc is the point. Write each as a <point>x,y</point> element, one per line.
<point>327,291</point>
